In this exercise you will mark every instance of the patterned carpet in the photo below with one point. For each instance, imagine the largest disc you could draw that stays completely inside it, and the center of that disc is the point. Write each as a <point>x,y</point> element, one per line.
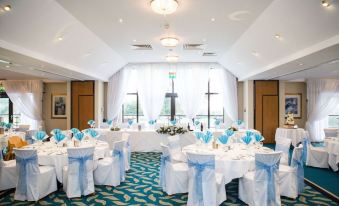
<point>140,188</point>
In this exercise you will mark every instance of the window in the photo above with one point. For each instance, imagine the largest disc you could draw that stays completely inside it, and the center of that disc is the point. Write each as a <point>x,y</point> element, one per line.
<point>8,111</point>
<point>333,119</point>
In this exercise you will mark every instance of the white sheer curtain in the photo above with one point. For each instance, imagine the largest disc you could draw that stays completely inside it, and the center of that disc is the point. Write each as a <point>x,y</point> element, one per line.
<point>26,95</point>
<point>323,98</point>
<point>152,83</point>
<point>116,92</point>
<point>191,86</point>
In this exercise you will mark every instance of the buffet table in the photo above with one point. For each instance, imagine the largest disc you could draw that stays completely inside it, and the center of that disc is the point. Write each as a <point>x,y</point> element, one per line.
<point>296,135</point>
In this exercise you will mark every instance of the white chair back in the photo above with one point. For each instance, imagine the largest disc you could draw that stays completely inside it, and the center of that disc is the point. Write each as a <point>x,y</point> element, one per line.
<point>267,179</point>
<point>297,162</point>
<point>126,137</point>
<point>202,181</point>
<point>283,145</point>
<point>80,170</point>
<point>164,159</point>
<point>28,172</point>
<point>118,151</point>
<point>174,143</point>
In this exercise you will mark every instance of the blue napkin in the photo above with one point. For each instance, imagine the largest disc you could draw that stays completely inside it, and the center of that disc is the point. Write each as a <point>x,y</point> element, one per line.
<point>75,130</point>
<point>249,133</point>
<point>246,139</point>
<point>196,122</point>
<point>8,125</point>
<point>152,122</point>
<point>91,123</point>
<point>79,136</point>
<point>207,137</point>
<point>58,137</point>
<point>40,135</point>
<point>109,122</point>
<point>55,131</point>
<point>92,133</point>
<point>239,122</point>
<point>223,139</point>
<point>229,132</point>
<point>130,122</point>
<point>173,122</point>
<point>217,122</point>
<point>258,137</point>
<point>198,135</point>
<point>2,124</point>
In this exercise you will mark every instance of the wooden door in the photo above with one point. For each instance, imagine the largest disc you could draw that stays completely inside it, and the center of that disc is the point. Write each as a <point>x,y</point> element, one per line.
<point>266,115</point>
<point>86,110</point>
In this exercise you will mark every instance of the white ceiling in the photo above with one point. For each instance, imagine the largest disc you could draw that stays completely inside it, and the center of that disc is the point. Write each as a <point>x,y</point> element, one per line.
<point>96,44</point>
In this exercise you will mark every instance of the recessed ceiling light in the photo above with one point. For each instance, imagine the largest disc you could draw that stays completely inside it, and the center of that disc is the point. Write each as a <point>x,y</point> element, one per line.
<point>255,53</point>
<point>169,41</point>
<point>212,19</point>
<point>172,58</point>
<point>134,40</point>
<point>121,20</point>
<point>60,38</point>
<point>164,6</point>
<point>204,40</point>
<point>301,64</point>
<point>7,66</point>
<point>239,63</point>
<point>7,8</point>
<point>277,36</point>
<point>325,3</point>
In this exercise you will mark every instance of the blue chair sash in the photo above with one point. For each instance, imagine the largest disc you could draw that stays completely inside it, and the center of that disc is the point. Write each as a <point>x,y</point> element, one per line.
<point>163,160</point>
<point>120,155</point>
<point>270,170</point>
<point>82,169</point>
<point>22,163</point>
<point>299,165</point>
<point>199,168</point>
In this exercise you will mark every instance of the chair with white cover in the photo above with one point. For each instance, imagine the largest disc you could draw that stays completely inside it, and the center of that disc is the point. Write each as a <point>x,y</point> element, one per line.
<point>315,156</point>
<point>8,176</point>
<point>127,150</point>
<point>118,152</point>
<point>292,177</point>
<point>173,177</point>
<point>77,176</point>
<point>108,168</point>
<point>283,145</point>
<point>205,186</point>
<point>261,187</point>
<point>175,149</point>
<point>34,181</point>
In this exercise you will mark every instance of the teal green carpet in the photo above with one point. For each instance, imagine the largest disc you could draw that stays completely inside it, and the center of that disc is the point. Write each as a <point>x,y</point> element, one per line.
<point>140,188</point>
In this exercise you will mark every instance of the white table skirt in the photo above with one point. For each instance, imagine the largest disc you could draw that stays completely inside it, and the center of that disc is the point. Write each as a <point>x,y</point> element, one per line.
<point>332,147</point>
<point>233,163</point>
<point>51,155</point>
<point>150,141</point>
<point>296,135</point>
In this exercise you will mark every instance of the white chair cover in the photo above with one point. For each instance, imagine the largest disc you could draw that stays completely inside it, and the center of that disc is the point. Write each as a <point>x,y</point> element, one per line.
<point>173,176</point>
<point>33,183</point>
<point>78,175</point>
<point>314,156</point>
<point>298,164</point>
<point>261,188</point>
<point>283,145</point>
<point>175,149</point>
<point>118,152</point>
<point>205,186</point>
<point>8,176</point>
<point>127,150</point>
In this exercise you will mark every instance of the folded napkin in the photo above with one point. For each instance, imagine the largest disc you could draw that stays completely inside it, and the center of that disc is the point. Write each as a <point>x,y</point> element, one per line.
<point>79,136</point>
<point>198,135</point>
<point>55,131</point>
<point>196,122</point>
<point>109,122</point>
<point>173,122</point>
<point>59,137</point>
<point>92,133</point>
<point>246,139</point>
<point>249,133</point>
<point>229,132</point>
<point>130,122</point>
<point>152,122</point>
<point>91,123</point>
<point>223,139</point>
<point>217,122</point>
<point>239,122</point>
<point>258,137</point>
<point>40,135</point>
<point>8,125</point>
<point>75,130</point>
<point>207,137</point>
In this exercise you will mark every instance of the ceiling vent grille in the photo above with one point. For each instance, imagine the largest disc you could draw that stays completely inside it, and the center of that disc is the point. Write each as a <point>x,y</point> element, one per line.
<point>209,54</point>
<point>142,47</point>
<point>192,46</point>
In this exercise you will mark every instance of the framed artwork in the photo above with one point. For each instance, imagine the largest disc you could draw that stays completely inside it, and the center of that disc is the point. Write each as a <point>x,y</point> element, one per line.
<point>59,106</point>
<point>293,104</point>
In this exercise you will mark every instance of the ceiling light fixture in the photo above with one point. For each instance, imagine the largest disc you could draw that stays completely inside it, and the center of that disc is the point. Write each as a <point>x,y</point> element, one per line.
<point>255,53</point>
<point>325,3</point>
<point>277,36</point>
<point>7,8</point>
<point>7,66</point>
<point>301,64</point>
<point>169,41</point>
<point>121,20</point>
<point>164,7</point>
<point>60,38</point>
<point>172,58</point>
<point>213,19</point>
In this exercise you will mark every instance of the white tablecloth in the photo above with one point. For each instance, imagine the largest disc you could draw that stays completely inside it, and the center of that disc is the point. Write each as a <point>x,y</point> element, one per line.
<point>296,135</point>
<point>332,147</point>
<point>233,163</point>
<point>149,141</point>
<point>51,155</point>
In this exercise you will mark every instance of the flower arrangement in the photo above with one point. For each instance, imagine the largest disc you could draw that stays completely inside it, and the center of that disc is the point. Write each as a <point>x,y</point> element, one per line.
<point>171,130</point>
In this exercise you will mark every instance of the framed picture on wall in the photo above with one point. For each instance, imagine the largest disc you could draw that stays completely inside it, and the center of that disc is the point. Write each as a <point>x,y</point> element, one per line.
<point>293,104</point>
<point>58,109</point>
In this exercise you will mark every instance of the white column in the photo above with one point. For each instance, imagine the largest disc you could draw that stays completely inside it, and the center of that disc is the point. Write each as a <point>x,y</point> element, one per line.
<point>68,103</point>
<point>248,104</point>
<point>99,102</point>
<point>281,103</point>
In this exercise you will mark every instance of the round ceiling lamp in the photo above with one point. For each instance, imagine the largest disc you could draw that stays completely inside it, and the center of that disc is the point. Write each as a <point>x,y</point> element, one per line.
<point>169,41</point>
<point>172,58</point>
<point>164,6</point>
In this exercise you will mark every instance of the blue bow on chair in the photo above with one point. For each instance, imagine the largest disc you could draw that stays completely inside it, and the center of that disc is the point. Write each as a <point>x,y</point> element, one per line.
<point>305,143</point>
<point>270,170</point>
<point>82,169</point>
<point>163,160</point>
<point>199,168</point>
<point>120,155</point>
<point>22,163</point>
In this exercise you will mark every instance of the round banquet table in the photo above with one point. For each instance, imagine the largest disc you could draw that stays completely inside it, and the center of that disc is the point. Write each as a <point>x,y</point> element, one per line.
<point>332,148</point>
<point>233,163</point>
<point>49,154</point>
<point>296,135</point>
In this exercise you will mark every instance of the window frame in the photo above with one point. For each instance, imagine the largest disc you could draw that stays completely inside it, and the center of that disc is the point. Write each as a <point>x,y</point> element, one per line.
<point>10,106</point>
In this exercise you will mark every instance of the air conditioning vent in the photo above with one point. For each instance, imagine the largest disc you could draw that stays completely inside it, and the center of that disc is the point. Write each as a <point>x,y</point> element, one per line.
<point>209,54</point>
<point>142,47</point>
<point>192,46</point>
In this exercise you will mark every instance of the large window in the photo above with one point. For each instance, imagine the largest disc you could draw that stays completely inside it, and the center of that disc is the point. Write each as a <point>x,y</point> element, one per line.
<point>212,106</point>
<point>8,111</point>
<point>333,119</point>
